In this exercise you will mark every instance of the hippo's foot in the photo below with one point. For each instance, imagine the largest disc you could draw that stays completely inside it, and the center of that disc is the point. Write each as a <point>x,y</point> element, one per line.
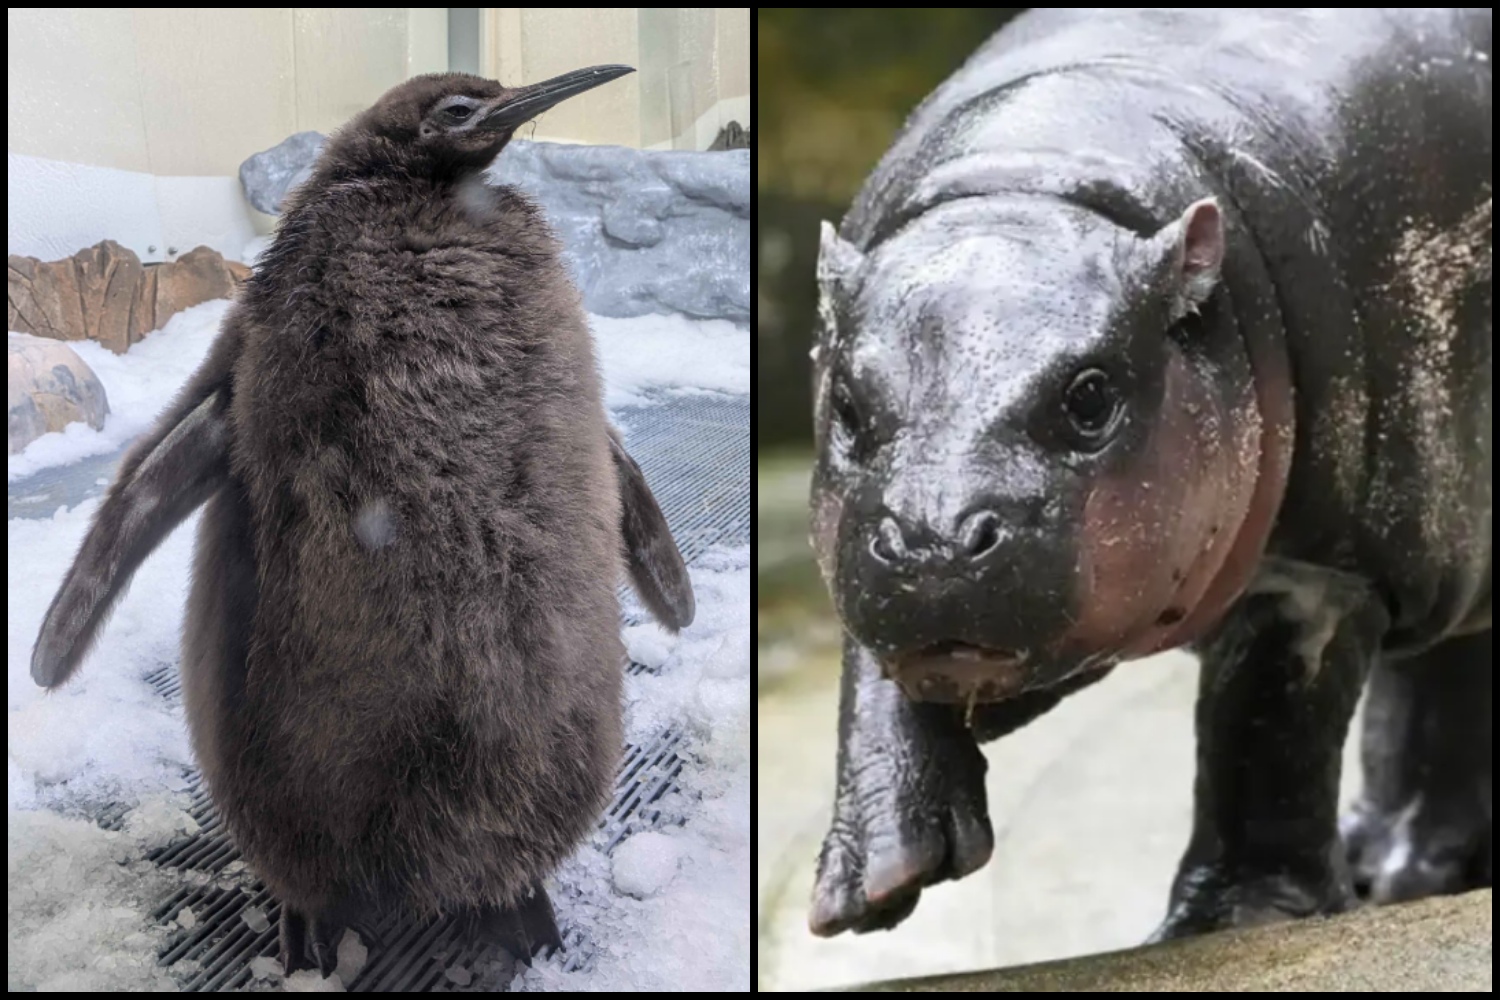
<point>1419,851</point>
<point>1424,825</point>
<point>1210,900</point>
<point>871,874</point>
<point>886,844</point>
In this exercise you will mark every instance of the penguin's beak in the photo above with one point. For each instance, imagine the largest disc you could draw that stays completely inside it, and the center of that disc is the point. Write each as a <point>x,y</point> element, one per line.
<point>525,103</point>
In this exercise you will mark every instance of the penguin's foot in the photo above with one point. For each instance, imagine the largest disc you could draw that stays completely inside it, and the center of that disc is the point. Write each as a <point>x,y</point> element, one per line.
<point>308,942</point>
<point>523,929</point>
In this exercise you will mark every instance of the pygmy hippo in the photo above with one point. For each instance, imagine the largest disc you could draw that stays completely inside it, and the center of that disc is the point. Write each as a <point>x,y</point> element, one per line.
<point>1161,328</point>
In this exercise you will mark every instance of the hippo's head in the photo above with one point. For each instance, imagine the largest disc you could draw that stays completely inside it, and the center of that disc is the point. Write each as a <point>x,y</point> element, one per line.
<point>1038,442</point>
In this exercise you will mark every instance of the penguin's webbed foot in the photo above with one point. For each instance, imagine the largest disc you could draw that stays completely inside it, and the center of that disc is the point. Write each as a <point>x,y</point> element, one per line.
<point>523,929</point>
<point>308,942</point>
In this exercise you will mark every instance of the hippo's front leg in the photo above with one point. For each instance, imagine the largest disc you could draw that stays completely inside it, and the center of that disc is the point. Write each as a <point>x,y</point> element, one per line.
<point>1280,680</point>
<point>910,809</point>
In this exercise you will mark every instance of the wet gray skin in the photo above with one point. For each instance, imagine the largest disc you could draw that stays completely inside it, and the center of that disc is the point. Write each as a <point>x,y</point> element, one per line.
<point>1158,329</point>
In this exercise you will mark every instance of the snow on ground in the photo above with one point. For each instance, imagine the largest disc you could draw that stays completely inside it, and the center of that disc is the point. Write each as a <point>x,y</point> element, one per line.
<point>76,905</point>
<point>106,735</point>
<point>139,384</point>
<point>671,353</point>
<point>670,911</point>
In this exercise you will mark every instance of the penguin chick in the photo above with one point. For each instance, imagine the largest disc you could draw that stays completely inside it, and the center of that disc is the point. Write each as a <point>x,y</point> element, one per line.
<point>401,656</point>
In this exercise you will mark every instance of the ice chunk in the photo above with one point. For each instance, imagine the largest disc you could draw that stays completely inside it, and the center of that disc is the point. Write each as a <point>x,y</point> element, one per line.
<point>158,822</point>
<point>649,644</point>
<point>644,864</point>
<point>352,956</point>
<point>266,967</point>
<point>308,981</point>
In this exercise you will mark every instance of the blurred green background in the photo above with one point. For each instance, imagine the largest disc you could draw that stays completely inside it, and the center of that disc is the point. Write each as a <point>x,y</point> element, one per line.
<point>833,86</point>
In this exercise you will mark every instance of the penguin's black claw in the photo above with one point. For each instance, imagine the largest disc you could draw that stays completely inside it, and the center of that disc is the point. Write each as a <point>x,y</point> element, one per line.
<point>293,936</point>
<point>308,943</point>
<point>539,922</point>
<point>324,959</point>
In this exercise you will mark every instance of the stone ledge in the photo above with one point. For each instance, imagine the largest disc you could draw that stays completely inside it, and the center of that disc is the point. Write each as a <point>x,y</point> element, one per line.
<point>105,294</point>
<point>1440,946</point>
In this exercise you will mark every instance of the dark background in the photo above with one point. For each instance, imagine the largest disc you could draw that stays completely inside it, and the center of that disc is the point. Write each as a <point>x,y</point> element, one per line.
<point>833,85</point>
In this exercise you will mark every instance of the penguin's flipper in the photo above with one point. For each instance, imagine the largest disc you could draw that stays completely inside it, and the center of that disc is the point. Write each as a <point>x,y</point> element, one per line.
<point>656,566</point>
<point>163,478</point>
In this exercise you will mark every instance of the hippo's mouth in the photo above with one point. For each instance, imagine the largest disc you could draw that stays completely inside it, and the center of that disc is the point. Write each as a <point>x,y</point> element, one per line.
<point>960,673</point>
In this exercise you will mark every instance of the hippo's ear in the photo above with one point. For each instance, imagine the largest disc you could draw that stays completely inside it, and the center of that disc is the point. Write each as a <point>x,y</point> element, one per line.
<point>837,257</point>
<point>1194,246</point>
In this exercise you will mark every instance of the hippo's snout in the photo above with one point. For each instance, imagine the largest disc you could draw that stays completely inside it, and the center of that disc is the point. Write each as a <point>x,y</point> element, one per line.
<point>957,609</point>
<point>976,540</point>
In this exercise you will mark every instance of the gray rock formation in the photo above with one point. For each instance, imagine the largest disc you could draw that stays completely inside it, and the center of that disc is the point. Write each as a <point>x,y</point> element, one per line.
<point>269,175</point>
<point>104,293</point>
<point>644,232</point>
<point>48,386</point>
<point>197,276</point>
<point>731,136</point>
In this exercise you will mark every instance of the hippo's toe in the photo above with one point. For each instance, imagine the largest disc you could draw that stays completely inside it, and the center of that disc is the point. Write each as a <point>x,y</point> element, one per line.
<point>1413,853</point>
<point>1211,899</point>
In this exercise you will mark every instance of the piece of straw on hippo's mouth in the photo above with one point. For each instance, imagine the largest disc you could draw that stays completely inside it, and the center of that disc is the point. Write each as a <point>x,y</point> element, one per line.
<point>959,672</point>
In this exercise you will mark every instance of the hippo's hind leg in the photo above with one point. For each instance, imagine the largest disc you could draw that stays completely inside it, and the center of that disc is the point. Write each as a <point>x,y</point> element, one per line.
<point>1277,692</point>
<point>1424,824</point>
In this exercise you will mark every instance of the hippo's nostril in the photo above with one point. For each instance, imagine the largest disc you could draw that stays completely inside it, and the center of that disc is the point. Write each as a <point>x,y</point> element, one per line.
<point>888,546</point>
<point>980,534</point>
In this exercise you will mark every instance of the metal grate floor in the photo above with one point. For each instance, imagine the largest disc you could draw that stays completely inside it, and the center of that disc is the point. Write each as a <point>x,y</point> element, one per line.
<point>695,452</point>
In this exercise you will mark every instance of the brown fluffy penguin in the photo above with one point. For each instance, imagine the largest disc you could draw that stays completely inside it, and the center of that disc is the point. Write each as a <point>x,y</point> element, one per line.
<point>402,655</point>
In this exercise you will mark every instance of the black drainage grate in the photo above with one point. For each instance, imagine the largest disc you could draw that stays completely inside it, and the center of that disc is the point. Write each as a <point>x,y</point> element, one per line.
<point>227,903</point>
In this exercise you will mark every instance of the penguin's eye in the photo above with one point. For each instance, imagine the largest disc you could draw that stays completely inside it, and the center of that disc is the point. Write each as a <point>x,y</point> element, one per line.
<point>458,112</point>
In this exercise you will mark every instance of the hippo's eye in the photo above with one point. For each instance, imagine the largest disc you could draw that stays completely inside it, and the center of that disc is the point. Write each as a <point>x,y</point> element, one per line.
<point>459,112</point>
<point>845,413</point>
<point>843,409</point>
<point>1093,405</point>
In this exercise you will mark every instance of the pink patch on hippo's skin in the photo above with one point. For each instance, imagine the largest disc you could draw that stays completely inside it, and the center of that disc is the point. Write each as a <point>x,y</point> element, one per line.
<point>1157,535</point>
